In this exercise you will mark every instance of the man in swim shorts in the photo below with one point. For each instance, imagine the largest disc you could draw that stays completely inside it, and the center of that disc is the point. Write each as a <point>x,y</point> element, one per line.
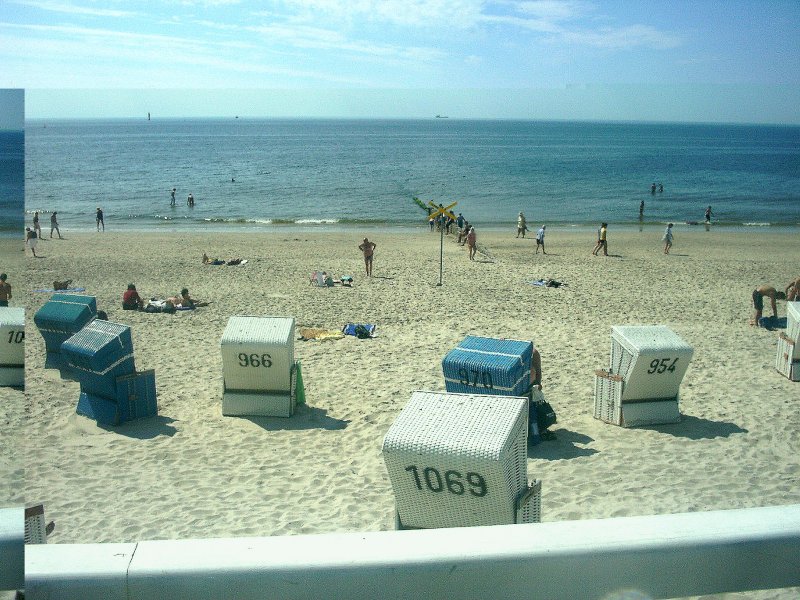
<point>368,248</point>
<point>758,301</point>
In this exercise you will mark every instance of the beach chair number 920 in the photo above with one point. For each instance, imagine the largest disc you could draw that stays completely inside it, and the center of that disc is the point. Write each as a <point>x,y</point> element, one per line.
<point>661,366</point>
<point>485,378</point>
<point>254,360</point>
<point>452,481</point>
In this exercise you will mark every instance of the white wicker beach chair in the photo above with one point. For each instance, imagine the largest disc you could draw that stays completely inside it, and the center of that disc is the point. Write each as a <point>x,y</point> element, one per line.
<point>642,383</point>
<point>12,346</point>
<point>36,528</point>
<point>258,367</point>
<point>787,361</point>
<point>460,460</point>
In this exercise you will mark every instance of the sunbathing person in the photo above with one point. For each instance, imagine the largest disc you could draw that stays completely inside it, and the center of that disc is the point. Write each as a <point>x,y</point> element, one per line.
<point>183,300</point>
<point>131,299</point>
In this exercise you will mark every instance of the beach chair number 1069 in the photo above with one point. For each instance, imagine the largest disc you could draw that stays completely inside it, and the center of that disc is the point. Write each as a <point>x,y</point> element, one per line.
<point>452,481</point>
<point>16,337</point>
<point>485,378</point>
<point>661,366</point>
<point>254,360</point>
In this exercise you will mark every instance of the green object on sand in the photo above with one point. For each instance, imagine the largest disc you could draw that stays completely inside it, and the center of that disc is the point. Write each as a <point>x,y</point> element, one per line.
<point>300,392</point>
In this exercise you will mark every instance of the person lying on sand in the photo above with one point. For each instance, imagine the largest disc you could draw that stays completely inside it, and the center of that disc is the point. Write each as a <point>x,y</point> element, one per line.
<point>184,300</point>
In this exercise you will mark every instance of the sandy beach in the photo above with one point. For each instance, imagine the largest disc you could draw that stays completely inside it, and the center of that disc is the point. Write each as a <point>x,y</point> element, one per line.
<point>190,472</point>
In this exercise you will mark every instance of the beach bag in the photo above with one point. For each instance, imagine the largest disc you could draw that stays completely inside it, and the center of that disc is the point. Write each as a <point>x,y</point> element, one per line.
<point>545,415</point>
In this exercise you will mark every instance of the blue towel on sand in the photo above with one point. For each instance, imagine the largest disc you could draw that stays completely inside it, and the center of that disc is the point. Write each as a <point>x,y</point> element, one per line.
<point>771,323</point>
<point>50,290</point>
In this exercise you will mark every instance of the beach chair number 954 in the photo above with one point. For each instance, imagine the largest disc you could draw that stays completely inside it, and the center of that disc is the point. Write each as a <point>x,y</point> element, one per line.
<point>485,378</point>
<point>16,337</point>
<point>452,481</point>
<point>662,366</point>
<point>254,360</point>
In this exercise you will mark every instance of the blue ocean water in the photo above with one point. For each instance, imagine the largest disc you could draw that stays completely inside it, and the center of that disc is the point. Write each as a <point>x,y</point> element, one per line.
<point>12,181</point>
<point>261,173</point>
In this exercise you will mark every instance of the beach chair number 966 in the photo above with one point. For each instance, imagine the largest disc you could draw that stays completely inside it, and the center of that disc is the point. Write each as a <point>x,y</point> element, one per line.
<point>661,366</point>
<point>16,337</point>
<point>254,360</point>
<point>452,481</point>
<point>485,378</point>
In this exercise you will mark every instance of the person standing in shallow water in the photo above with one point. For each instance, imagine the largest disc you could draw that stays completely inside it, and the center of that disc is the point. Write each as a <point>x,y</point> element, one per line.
<point>99,218</point>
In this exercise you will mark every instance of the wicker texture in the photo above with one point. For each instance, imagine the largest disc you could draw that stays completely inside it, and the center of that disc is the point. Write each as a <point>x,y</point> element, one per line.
<point>442,444</point>
<point>258,354</point>
<point>785,361</point>
<point>261,404</point>
<point>98,354</point>
<point>481,365</point>
<point>12,336</point>
<point>35,525</point>
<point>642,384</point>
<point>793,324</point>
<point>62,316</point>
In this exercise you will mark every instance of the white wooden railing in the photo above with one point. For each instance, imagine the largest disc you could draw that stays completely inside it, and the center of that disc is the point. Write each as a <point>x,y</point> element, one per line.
<point>658,556</point>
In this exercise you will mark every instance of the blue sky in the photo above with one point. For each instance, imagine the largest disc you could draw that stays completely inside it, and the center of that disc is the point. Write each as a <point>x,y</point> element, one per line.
<point>680,60</point>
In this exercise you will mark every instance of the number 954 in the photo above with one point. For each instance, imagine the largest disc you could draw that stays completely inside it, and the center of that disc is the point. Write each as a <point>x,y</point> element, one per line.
<point>662,366</point>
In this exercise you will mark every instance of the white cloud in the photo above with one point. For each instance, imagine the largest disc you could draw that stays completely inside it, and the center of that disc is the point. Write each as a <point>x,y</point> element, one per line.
<point>621,38</point>
<point>64,7</point>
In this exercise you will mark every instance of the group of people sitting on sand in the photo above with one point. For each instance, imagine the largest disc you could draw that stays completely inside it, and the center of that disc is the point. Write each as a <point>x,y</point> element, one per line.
<point>131,300</point>
<point>791,294</point>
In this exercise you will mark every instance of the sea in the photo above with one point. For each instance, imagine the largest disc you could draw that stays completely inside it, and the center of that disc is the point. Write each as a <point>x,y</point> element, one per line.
<point>273,174</point>
<point>12,181</point>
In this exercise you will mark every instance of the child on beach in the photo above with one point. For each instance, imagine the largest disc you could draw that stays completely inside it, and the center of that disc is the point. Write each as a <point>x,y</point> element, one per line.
<point>31,239</point>
<point>667,238</point>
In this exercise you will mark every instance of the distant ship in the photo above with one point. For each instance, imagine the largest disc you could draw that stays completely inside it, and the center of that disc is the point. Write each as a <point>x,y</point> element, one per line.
<point>442,116</point>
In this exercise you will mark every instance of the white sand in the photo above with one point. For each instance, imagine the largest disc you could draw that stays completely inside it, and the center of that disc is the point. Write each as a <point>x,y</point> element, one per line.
<point>191,472</point>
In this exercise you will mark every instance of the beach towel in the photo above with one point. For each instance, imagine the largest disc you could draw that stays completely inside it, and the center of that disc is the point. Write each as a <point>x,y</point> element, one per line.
<point>359,330</point>
<point>51,290</point>
<point>772,323</point>
<point>547,283</point>
<point>308,333</point>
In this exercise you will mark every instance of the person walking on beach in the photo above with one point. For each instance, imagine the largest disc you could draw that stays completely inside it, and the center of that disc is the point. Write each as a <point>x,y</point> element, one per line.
<point>521,225</point>
<point>31,239</point>
<point>172,197</point>
<point>36,226</point>
<point>708,215</point>
<point>472,241</point>
<point>5,290</point>
<point>54,227</point>
<point>368,249</point>
<point>99,219</point>
<point>601,240</point>
<point>667,238</point>
<point>540,239</point>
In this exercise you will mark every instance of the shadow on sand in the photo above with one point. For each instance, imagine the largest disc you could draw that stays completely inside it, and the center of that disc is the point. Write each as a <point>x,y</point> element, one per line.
<point>563,447</point>
<point>305,417</point>
<point>695,428</point>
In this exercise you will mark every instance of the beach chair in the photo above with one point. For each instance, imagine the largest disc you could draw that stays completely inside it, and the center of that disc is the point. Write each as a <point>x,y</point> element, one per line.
<point>787,361</point>
<point>642,383</point>
<point>460,460</point>
<point>112,392</point>
<point>58,319</point>
<point>259,374</point>
<point>480,365</point>
<point>36,527</point>
<point>12,346</point>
